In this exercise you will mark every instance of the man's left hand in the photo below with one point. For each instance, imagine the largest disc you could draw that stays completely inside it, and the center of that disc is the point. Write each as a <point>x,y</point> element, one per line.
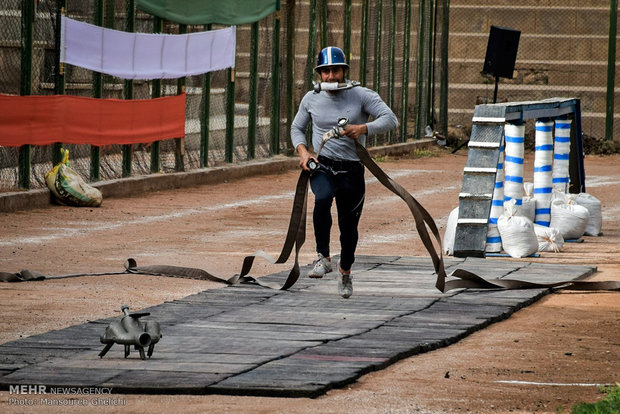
<point>354,131</point>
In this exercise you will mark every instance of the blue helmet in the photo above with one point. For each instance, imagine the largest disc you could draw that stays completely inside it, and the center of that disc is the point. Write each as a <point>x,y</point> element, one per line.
<point>331,56</point>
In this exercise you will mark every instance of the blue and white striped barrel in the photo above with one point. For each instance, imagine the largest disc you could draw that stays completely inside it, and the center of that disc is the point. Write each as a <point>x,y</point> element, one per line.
<point>561,151</point>
<point>513,163</point>
<point>543,180</point>
<point>494,241</point>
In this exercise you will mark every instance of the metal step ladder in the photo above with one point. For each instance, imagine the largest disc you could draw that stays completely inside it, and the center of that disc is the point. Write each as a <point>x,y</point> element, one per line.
<point>480,170</point>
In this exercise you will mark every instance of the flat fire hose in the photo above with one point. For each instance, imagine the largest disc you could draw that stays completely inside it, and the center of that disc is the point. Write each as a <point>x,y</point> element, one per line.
<point>296,236</point>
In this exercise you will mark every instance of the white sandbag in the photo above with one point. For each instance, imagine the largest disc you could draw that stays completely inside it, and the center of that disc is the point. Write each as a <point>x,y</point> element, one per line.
<point>593,204</point>
<point>517,232</point>
<point>528,205</point>
<point>549,239</point>
<point>558,195</point>
<point>448,237</point>
<point>569,218</point>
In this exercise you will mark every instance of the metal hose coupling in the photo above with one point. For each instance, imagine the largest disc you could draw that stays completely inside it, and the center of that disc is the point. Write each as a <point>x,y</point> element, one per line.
<point>130,331</point>
<point>335,132</point>
<point>334,86</point>
<point>338,130</point>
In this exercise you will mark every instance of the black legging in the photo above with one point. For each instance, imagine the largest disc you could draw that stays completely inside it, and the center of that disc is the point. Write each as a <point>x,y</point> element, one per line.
<point>348,187</point>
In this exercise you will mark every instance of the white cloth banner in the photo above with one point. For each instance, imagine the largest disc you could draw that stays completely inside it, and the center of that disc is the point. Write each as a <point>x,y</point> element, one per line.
<point>144,55</point>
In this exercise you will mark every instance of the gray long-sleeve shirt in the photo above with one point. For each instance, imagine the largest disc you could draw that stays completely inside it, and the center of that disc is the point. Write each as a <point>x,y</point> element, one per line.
<point>324,109</point>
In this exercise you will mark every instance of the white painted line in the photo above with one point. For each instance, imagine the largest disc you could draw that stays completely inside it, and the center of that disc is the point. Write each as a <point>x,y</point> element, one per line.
<point>554,384</point>
<point>418,194</point>
<point>600,181</point>
<point>66,233</point>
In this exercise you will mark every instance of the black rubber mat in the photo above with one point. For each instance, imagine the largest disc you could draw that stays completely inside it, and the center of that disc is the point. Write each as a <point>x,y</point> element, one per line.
<point>249,340</point>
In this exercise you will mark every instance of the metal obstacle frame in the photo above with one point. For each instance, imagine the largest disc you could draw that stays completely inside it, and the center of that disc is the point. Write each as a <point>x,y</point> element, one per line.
<point>480,171</point>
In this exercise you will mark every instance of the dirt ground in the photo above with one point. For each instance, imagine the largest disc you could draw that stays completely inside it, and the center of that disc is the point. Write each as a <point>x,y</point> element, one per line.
<point>542,359</point>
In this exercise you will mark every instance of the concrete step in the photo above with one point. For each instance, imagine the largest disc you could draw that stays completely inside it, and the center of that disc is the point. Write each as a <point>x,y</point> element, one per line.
<point>535,72</point>
<point>528,19</point>
<point>531,3</point>
<point>580,47</point>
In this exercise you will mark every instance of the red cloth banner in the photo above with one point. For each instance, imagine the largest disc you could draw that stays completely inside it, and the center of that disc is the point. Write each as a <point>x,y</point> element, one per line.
<point>43,120</point>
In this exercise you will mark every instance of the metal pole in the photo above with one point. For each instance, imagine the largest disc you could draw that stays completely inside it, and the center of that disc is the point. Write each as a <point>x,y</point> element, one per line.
<point>419,82</point>
<point>230,116</point>
<point>311,45</point>
<point>311,56</point>
<point>95,151</point>
<point>324,38</point>
<point>391,65</point>
<point>377,52</point>
<point>376,84</point>
<point>130,26</point>
<point>611,70</point>
<point>445,82</point>
<point>253,98</point>
<point>347,30</point>
<point>205,116</point>
<point>290,68</point>
<point>275,86</point>
<point>158,24</point>
<point>406,61</point>
<point>179,143</point>
<point>59,72</point>
<point>364,43</point>
<point>430,67</point>
<point>26,84</point>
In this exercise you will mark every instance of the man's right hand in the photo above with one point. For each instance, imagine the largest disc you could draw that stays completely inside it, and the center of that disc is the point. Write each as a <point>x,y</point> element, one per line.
<point>304,156</point>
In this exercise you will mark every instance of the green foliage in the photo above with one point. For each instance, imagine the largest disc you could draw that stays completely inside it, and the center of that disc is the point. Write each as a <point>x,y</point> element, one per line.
<point>380,158</point>
<point>609,405</point>
<point>423,153</point>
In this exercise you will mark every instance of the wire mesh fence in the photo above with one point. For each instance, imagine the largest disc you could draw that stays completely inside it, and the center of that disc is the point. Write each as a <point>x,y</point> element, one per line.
<point>400,48</point>
<point>562,52</point>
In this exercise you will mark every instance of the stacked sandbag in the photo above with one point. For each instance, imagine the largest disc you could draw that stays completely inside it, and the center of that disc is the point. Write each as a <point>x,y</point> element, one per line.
<point>448,237</point>
<point>569,218</point>
<point>593,204</point>
<point>528,204</point>
<point>517,232</point>
<point>549,239</point>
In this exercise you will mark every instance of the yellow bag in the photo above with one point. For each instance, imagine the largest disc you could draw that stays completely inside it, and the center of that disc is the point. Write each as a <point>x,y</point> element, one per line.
<point>69,188</point>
